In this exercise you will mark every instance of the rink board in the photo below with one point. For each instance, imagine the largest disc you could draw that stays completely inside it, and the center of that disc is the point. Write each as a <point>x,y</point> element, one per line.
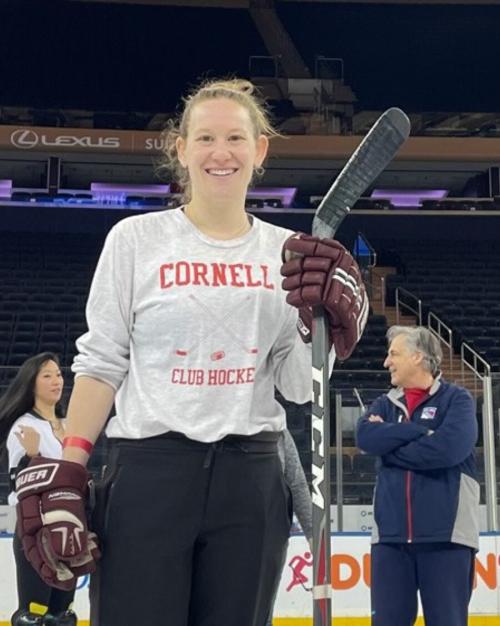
<point>350,582</point>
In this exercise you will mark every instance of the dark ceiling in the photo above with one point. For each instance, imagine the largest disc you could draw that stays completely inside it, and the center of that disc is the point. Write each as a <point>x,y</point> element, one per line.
<point>427,57</point>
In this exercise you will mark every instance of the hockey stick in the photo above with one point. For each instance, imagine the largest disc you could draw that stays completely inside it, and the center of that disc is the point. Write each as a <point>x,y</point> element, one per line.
<point>373,154</point>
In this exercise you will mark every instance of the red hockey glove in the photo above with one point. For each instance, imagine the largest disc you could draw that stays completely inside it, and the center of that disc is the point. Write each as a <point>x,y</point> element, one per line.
<point>52,522</point>
<point>322,272</point>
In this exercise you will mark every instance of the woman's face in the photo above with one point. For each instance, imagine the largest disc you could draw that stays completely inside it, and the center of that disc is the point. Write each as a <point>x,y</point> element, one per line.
<point>49,384</point>
<point>220,150</point>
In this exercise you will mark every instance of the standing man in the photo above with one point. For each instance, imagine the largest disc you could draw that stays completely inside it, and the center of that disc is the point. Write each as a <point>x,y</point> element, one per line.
<point>426,504</point>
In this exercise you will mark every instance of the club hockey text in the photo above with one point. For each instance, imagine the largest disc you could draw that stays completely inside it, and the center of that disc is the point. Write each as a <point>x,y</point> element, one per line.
<point>213,377</point>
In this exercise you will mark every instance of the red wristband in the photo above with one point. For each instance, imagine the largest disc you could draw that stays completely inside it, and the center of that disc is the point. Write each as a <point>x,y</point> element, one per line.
<point>78,442</point>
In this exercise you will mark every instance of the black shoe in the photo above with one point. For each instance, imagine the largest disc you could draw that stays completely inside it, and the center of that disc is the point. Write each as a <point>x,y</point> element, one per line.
<point>66,618</point>
<point>22,617</point>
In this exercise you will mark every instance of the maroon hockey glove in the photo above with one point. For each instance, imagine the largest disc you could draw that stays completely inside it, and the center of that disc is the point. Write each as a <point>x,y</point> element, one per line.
<point>322,272</point>
<point>52,522</point>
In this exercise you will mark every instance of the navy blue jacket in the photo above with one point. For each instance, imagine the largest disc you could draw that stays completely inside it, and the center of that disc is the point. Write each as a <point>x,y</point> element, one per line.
<point>426,489</point>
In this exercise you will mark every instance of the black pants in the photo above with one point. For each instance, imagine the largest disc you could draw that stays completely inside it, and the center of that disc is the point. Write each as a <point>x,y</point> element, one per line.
<point>269,621</point>
<point>32,589</point>
<point>442,573</point>
<point>192,534</point>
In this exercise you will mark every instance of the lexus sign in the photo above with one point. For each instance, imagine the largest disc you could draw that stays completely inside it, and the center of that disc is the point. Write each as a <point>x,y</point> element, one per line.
<point>27,139</point>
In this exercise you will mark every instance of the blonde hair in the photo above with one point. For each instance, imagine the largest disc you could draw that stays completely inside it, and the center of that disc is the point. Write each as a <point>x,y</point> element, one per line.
<point>241,91</point>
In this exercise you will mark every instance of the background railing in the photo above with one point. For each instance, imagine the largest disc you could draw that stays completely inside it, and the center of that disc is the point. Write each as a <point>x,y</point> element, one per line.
<point>407,301</point>
<point>472,360</point>
<point>443,333</point>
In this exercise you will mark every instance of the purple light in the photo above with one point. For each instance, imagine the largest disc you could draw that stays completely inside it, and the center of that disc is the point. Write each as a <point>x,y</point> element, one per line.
<point>110,188</point>
<point>99,190</point>
<point>285,194</point>
<point>5,188</point>
<point>408,197</point>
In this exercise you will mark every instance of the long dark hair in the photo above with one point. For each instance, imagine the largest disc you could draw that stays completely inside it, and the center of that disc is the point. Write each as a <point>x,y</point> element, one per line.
<point>20,395</point>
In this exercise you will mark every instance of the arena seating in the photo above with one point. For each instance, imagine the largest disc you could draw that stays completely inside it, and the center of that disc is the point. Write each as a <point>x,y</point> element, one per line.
<point>44,281</point>
<point>460,283</point>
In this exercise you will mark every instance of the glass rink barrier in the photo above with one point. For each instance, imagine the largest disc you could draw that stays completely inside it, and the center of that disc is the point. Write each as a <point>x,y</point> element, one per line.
<point>350,572</point>
<point>352,480</point>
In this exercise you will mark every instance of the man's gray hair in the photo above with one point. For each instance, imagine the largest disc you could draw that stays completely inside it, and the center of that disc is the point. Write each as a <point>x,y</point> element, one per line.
<point>420,339</point>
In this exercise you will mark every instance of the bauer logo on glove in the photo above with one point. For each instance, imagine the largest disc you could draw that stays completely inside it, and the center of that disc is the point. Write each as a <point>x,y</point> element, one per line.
<point>52,523</point>
<point>321,272</point>
<point>35,478</point>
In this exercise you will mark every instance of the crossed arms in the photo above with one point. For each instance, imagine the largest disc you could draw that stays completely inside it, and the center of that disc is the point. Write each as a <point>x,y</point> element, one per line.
<point>414,447</point>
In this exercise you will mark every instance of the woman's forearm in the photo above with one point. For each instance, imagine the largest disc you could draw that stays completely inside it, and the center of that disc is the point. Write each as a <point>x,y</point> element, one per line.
<point>89,406</point>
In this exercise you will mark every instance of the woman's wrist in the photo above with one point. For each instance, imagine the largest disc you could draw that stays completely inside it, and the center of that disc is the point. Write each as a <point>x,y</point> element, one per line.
<point>78,442</point>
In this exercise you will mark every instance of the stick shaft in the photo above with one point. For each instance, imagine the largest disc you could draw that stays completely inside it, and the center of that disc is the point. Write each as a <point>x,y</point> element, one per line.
<point>370,158</point>
<point>320,424</point>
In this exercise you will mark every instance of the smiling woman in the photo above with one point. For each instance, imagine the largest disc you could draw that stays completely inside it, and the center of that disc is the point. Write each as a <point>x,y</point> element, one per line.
<point>30,420</point>
<point>215,150</point>
<point>190,333</point>
<point>220,163</point>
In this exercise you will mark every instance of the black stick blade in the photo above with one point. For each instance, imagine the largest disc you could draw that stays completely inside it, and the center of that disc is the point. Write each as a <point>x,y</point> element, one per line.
<point>370,158</point>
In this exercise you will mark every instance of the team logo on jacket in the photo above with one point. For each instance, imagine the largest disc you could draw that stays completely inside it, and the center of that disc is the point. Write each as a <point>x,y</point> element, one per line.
<point>429,413</point>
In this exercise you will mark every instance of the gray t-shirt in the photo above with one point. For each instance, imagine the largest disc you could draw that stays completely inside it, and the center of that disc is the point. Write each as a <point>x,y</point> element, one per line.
<point>194,333</point>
